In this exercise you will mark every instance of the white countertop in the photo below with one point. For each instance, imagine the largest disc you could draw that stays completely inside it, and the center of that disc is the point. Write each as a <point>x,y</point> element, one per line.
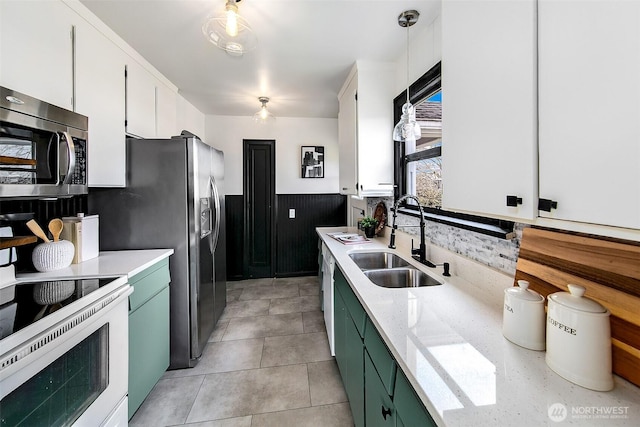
<point>107,264</point>
<point>448,341</point>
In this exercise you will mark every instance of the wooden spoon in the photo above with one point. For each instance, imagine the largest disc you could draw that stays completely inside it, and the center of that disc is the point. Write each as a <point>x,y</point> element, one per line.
<point>55,227</point>
<point>35,229</point>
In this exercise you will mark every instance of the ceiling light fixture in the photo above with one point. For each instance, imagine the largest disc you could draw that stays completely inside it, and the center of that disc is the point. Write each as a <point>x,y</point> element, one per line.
<point>263,116</point>
<point>407,127</point>
<point>230,31</point>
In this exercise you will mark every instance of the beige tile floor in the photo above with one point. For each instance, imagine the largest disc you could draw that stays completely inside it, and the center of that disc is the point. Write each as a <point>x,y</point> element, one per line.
<point>267,363</point>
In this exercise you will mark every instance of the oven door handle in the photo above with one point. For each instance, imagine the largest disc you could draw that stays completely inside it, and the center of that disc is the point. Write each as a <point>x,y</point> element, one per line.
<point>71,158</point>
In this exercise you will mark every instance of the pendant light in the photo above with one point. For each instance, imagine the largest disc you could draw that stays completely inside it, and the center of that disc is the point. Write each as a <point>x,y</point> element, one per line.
<point>407,127</point>
<point>263,116</point>
<point>230,31</point>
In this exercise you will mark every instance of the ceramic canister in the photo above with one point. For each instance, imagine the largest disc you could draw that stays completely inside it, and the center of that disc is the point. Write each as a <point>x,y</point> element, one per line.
<point>52,255</point>
<point>523,318</point>
<point>579,339</point>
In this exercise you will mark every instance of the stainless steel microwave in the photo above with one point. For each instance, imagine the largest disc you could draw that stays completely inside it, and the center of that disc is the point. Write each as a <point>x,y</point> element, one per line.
<point>43,149</point>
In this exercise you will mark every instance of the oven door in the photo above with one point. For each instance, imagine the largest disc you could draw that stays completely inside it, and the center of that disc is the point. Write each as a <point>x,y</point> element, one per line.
<point>74,372</point>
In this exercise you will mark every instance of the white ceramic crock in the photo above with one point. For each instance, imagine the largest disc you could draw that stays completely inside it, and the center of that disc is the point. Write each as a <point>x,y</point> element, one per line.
<point>523,318</point>
<point>579,339</point>
<point>52,255</point>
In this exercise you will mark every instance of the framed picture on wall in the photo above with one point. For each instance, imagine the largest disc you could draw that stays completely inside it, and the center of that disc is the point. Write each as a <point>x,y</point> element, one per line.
<point>312,161</point>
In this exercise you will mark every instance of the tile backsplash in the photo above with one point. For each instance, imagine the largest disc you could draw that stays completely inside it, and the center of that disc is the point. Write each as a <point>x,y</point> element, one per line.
<point>494,252</point>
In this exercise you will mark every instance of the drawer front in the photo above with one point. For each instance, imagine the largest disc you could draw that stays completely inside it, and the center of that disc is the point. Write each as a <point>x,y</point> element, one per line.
<point>381,357</point>
<point>409,407</point>
<point>148,283</point>
<point>351,301</point>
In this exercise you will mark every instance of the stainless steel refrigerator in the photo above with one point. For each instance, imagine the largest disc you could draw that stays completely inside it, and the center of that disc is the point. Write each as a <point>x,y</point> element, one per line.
<point>174,198</point>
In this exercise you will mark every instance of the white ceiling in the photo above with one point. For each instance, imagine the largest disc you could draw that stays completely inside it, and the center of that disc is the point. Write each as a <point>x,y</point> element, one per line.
<point>305,48</point>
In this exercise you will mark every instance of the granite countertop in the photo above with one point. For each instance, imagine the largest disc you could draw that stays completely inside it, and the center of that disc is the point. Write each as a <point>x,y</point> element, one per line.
<point>107,264</point>
<point>448,341</point>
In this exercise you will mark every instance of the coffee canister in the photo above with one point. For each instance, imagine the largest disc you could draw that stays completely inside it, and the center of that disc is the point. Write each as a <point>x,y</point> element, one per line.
<point>523,317</point>
<point>579,339</point>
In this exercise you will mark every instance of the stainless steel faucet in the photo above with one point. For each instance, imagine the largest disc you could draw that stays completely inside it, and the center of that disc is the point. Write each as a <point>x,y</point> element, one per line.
<point>420,253</point>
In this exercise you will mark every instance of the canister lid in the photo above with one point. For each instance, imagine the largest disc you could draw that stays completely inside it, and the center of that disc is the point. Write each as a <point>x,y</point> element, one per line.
<point>523,292</point>
<point>575,299</point>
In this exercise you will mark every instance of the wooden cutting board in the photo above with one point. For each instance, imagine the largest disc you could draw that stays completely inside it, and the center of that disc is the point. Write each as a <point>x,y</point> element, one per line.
<point>610,271</point>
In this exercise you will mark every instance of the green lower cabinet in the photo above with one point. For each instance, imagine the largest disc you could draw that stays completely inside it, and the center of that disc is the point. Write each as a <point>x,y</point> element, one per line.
<point>339,332</point>
<point>410,410</point>
<point>349,356</point>
<point>148,331</point>
<point>354,385</point>
<point>380,410</point>
<point>378,391</point>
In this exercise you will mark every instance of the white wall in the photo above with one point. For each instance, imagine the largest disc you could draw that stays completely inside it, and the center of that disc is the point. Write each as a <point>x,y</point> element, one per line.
<point>290,133</point>
<point>425,50</point>
<point>189,118</point>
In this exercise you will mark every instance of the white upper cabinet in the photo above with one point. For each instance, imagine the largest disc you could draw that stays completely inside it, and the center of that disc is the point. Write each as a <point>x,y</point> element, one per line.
<point>38,40</point>
<point>347,137</point>
<point>100,96</point>
<point>141,101</point>
<point>590,111</point>
<point>36,47</point>
<point>489,127</point>
<point>365,128</point>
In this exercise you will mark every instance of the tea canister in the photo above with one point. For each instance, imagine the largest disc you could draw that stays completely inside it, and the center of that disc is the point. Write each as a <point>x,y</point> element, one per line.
<point>579,339</point>
<point>523,318</point>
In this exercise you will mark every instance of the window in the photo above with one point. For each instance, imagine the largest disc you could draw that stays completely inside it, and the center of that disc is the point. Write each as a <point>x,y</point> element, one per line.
<point>418,165</point>
<point>423,158</point>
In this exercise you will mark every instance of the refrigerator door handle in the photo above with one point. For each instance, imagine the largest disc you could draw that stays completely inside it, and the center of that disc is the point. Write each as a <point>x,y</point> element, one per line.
<point>216,204</point>
<point>205,217</point>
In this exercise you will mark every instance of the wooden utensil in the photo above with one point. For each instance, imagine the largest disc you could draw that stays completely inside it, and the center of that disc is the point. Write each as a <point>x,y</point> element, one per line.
<point>37,230</point>
<point>55,227</point>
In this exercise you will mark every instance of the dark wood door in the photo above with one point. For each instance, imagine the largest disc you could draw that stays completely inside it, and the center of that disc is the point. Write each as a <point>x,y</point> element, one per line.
<point>259,208</point>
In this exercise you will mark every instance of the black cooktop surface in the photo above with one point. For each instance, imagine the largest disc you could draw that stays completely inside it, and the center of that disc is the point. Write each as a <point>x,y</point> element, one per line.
<point>36,300</point>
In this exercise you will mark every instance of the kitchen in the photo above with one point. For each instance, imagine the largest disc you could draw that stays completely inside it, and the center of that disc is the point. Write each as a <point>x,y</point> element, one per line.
<point>518,164</point>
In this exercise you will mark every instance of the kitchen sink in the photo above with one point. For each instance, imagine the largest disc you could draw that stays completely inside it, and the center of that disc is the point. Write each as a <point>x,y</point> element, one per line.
<point>378,260</point>
<point>401,278</point>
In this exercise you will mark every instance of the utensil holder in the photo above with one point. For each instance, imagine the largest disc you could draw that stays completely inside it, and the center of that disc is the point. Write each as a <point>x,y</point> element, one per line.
<point>52,256</point>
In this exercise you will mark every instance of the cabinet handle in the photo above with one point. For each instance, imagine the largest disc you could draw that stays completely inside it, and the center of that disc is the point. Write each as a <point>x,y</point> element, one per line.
<point>546,205</point>
<point>385,412</point>
<point>514,201</point>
